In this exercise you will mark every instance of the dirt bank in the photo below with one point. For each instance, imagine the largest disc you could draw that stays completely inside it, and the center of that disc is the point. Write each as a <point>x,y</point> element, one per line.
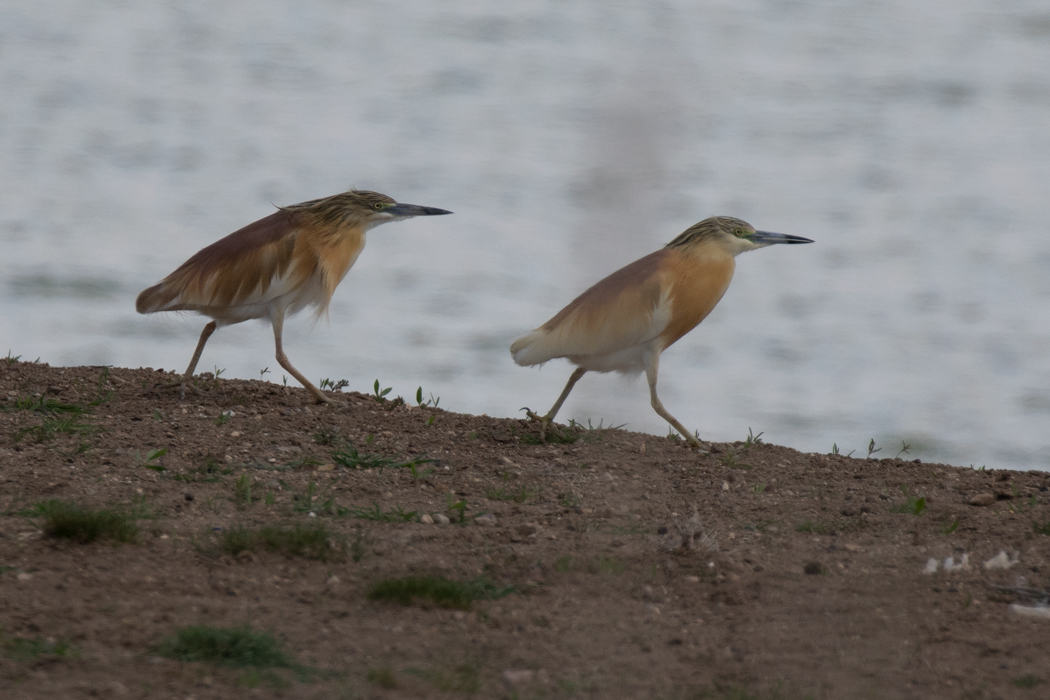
<point>609,564</point>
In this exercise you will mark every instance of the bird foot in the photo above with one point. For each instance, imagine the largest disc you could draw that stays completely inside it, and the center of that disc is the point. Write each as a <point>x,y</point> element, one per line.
<point>181,385</point>
<point>544,422</point>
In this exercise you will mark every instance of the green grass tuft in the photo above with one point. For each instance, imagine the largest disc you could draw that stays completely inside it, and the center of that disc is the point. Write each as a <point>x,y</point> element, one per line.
<point>68,520</point>
<point>23,649</point>
<point>437,590</point>
<point>1029,680</point>
<point>310,541</point>
<point>236,647</point>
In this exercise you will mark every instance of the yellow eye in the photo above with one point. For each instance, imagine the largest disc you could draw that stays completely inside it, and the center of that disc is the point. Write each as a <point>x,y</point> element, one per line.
<point>738,232</point>
<point>380,206</point>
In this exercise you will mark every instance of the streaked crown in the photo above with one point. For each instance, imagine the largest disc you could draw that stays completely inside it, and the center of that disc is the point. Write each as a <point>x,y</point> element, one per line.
<point>712,229</point>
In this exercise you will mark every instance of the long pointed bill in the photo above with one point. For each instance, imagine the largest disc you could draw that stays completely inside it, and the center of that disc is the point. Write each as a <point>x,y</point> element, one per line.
<point>767,238</point>
<point>405,210</point>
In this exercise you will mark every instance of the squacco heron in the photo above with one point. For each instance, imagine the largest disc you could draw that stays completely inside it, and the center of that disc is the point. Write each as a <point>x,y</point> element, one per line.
<point>276,267</point>
<point>626,320</point>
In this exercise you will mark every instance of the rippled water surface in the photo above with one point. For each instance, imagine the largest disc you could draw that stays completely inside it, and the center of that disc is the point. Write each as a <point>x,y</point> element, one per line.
<point>910,140</point>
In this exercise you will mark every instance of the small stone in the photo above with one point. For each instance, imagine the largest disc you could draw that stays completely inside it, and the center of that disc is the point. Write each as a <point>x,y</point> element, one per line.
<point>1039,612</point>
<point>23,576</point>
<point>441,519</point>
<point>526,530</point>
<point>326,467</point>
<point>1001,561</point>
<point>641,449</point>
<point>982,499</point>
<point>931,566</point>
<point>692,579</point>
<point>332,581</point>
<point>517,678</point>
<point>485,519</point>
<point>725,485</point>
<point>426,519</point>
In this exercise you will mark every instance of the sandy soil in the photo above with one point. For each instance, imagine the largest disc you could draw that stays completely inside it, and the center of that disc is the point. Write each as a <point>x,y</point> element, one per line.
<point>640,568</point>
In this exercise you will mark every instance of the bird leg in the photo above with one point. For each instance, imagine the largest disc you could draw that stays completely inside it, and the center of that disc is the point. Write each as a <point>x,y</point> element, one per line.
<point>277,319</point>
<point>188,376</point>
<point>652,366</point>
<point>545,420</point>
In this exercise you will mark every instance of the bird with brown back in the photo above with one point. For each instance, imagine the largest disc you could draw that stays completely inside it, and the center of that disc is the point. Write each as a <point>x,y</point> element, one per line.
<point>275,267</point>
<point>626,320</point>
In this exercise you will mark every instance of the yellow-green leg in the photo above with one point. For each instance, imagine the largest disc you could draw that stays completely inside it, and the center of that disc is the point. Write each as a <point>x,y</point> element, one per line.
<point>545,420</point>
<point>652,366</point>
<point>277,319</point>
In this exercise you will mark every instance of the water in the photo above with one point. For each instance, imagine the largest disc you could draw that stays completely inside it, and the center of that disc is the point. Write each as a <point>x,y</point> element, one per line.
<point>909,140</point>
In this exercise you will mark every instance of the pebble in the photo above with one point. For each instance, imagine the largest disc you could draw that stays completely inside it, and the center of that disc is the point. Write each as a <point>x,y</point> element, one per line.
<point>514,678</point>
<point>982,499</point>
<point>485,519</point>
<point>1042,613</point>
<point>426,519</point>
<point>1002,561</point>
<point>441,519</point>
<point>23,576</point>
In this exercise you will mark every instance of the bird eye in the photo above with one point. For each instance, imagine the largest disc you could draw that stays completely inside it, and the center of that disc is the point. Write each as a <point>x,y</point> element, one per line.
<point>380,206</point>
<point>738,232</point>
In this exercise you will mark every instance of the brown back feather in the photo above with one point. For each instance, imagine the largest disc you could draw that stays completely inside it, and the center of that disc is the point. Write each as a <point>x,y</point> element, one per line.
<point>606,290</point>
<point>244,260</point>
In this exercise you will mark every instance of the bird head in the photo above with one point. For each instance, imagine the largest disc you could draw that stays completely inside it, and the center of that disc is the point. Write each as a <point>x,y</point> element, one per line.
<point>735,235</point>
<point>361,208</point>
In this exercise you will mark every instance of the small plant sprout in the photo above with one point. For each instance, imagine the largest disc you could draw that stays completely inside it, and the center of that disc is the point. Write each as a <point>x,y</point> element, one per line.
<point>429,402</point>
<point>752,440</point>
<point>949,528</point>
<point>380,394</point>
<point>219,371</point>
<point>224,416</point>
<point>418,474</point>
<point>459,510</point>
<point>263,372</point>
<point>151,460</point>
<point>396,515</point>
<point>242,492</point>
<point>103,393</point>
<point>904,449</point>
<point>872,449</point>
<point>912,505</point>
<point>11,359</point>
<point>759,488</point>
<point>729,460</point>
<point>333,386</point>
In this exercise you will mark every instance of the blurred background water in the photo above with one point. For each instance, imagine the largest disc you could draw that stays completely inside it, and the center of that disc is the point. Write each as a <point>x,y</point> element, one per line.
<point>910,140</point>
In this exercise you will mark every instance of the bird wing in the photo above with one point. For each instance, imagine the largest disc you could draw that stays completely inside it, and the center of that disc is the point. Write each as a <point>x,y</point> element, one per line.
<point>628,308</point>
<point>249,267</point>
